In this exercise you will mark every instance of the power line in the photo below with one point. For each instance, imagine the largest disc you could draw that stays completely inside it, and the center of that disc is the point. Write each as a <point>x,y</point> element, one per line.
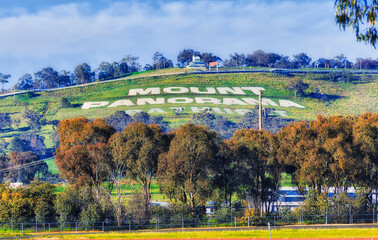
<point>18,167</point>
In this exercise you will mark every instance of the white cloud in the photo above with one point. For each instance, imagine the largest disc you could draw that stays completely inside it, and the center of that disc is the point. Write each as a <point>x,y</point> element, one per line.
<point>64,36</point>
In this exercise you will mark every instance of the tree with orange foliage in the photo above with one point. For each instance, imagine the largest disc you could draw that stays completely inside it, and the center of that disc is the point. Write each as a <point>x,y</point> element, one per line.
<point>81,131</point>
<point>24,173</point>
<point>365,133</point>
<point>299,155</point>
<point>83,156</point>
<point>334,138</point>
<point>336,151</point>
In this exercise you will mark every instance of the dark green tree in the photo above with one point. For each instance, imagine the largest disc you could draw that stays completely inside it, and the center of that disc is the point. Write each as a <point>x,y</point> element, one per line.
<point>185,56</point>
<point>25,82</point>
<point>5,121</point>
<point>33,118</point>
<point>83,74</point>
<point>184,171</point>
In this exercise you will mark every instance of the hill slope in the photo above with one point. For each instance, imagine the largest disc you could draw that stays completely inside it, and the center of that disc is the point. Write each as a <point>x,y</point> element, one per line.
<point>230,95</point>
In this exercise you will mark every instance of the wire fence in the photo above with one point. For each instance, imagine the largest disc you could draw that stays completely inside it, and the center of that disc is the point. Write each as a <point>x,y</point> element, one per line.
<point>184,223</point>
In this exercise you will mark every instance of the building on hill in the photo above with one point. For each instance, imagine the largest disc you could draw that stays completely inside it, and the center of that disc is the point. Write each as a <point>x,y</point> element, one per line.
<point>196,63</point>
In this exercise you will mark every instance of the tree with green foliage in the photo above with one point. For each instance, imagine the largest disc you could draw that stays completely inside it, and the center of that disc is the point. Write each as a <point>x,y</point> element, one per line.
<point>4,162</point>
<point>120,68</point>
<point>25,82</point>
<point>42,197</point>
<point>142,146</point>
<point>19,145</point>
<point>254,161</point>
<point>302,60</point>
<point>69,203</point>
<point>298,86</point>
<point>225,175</point>
<point>33,118</point>
<point>64,103</point>
<point>186,168</point>
<point>46,78</point>
<point>5,121</point>
<point>361,16</point>
<point>83,74</point>
<point>160,62</point>
<point>132,62</point>
<point>91,215</point>
<point>105,71</point>
<point>119,120</point>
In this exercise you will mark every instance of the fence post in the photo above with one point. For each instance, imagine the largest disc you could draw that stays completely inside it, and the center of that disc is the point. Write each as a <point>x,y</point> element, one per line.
<point>22,227</point>
<point>235,221</point>
<point>103,227</point>
<point>373,214</point>
<point>129,225</point>
<point>231,218</point>
<point>248,222</point>
<point>182,218</point>
<point>76,226</point>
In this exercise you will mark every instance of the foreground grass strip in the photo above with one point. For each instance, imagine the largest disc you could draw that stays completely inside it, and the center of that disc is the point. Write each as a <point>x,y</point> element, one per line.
<point>243,234</point>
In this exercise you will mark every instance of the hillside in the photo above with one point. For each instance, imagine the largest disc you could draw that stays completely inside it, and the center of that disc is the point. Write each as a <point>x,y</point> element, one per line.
<point>230,95</point>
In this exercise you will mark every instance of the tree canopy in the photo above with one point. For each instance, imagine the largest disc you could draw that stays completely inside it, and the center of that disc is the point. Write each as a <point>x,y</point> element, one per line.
<point>361,16</point>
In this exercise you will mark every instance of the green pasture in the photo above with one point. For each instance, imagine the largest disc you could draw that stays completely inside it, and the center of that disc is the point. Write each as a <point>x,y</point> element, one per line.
<point>353,98</point>
<point>308,233</point>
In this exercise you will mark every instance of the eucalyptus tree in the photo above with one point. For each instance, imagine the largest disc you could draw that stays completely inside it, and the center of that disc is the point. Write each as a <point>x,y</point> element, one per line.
<point>4,79</point>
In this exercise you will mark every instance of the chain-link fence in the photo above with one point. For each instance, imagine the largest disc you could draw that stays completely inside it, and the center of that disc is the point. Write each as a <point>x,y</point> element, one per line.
<point>30,226</point>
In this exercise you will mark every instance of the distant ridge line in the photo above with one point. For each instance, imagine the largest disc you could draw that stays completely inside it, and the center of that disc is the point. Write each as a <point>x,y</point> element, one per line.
<point>278,71</point>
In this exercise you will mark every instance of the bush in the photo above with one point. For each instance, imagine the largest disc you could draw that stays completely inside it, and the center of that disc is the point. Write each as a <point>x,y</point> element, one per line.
<point>91,215</point>
<point>253,214</point>
<point>64,103</point>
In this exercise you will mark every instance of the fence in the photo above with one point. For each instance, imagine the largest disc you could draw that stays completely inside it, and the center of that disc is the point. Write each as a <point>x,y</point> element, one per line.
<point>185,223</point>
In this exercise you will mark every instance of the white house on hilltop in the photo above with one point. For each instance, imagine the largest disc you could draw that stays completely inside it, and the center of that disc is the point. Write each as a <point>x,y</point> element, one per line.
<point>196,63</point>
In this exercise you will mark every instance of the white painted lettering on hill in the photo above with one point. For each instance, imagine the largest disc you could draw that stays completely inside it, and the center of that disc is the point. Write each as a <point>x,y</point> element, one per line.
<point>246,101</point>
<point>227,111</point>
<point>88,105</point>
<point>133,92</point>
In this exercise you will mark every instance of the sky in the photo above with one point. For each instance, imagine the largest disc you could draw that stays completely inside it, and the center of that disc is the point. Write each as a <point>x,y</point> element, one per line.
<point>64,33</point>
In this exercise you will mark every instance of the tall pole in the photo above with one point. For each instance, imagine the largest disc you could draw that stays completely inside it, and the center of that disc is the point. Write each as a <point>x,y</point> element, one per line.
<point>260,111</point>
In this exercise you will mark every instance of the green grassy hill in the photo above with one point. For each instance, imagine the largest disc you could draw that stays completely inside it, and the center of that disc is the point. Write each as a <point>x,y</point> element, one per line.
<point>342,98</point>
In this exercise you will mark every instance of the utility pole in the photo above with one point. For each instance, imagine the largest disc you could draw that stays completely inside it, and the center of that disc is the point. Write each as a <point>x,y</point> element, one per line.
<point>260,111</point>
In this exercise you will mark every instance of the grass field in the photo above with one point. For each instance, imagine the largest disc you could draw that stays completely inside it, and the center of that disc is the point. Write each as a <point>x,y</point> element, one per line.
<point>345,98</point>
<point>312,233</point>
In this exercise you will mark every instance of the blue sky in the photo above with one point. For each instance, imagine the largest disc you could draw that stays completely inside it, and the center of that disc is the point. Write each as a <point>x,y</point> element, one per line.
<point>63,33</point>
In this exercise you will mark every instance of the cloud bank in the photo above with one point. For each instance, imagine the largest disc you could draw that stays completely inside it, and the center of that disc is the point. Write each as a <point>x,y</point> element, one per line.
<point>63,36</point>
